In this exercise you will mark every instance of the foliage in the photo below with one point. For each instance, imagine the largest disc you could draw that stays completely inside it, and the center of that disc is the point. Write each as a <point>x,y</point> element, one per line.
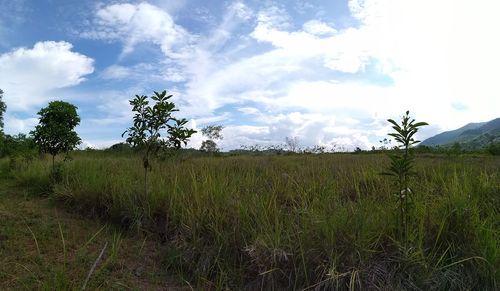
<point>17,145</point>
<point>494,149</point>
<point>155,128</point>
<point>55,132</point>
<point>209,146</point>
<point>402,164</point>
<point>317,149</point>
<point>3,108</point>
<point>385,144</point>
<point>120,147</point>
<point>213,133</point>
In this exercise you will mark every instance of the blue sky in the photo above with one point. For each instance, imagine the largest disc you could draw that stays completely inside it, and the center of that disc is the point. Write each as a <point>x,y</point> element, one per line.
<point>327,72</point>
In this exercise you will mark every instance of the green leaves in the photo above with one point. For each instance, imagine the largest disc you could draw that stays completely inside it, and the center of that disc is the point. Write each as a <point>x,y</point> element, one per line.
<point>3,108</point>
<point>55,131</point>
<point>405,132</point>
<point>154,127</point>
<point>401,167</point>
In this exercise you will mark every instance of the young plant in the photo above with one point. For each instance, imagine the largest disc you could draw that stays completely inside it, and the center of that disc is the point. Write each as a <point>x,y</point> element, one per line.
<point>3,108</point>
<point>402,162</point>
<point>55,132</point>
<point>155,128</point>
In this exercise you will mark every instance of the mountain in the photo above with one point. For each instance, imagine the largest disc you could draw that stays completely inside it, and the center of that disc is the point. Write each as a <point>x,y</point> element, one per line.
<point>471,136</point>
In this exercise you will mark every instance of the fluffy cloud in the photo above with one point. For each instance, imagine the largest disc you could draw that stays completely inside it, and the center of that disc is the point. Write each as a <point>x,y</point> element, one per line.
<point>133,24</point>
<point>29,75</point>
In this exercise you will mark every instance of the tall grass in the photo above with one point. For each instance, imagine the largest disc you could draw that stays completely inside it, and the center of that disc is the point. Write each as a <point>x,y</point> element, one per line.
<point>290,222</point>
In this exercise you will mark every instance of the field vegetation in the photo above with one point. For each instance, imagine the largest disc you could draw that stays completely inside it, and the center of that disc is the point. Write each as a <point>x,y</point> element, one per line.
<point>324,221</point>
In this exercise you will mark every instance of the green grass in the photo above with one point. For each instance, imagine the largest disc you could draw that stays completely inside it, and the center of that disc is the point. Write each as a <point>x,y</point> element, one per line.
<point>44,247</point>
<point>292,222</point>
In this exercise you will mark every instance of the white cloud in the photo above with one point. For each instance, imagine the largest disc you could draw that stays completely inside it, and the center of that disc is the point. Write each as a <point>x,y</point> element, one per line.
<point>28,75</point>
<point>116,72</point>
<point>133,24</point>
<point>144,72</point>
<point>14,124</point>
<point>317,27</point>
<point>249,110</point>
<point>432,56</point>
<point>435,54</point>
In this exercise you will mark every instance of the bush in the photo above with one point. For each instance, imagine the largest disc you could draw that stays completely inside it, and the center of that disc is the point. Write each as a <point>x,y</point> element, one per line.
<point>19,145</point>
<point>494,149</point>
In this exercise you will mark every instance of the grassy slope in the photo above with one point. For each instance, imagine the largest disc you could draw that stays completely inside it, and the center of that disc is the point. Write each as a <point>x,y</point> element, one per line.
<point>33,255</point>
<point>324,221</point>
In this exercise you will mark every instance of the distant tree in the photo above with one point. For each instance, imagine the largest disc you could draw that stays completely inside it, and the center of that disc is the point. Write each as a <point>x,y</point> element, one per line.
<point>317,149</point>
<point>385,144</point>
<point>213,133</point>
<point>494,148</point>
<point>292,144</point>
<point>3,108</point>
<point>155,128</point>
<point>456,148</point>
<point>119,147</point>
<point>55,132</point>
<point>209,146</point>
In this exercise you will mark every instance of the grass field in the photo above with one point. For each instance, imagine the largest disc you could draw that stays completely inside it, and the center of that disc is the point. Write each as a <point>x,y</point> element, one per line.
<point>45,247</point>
<point>320,222</point>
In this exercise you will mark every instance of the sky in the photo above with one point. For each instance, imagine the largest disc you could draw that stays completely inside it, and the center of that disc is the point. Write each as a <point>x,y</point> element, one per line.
<point>326,72</point>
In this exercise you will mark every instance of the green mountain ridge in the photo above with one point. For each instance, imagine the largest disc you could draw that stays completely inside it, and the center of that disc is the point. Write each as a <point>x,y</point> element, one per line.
<point>470,136</point>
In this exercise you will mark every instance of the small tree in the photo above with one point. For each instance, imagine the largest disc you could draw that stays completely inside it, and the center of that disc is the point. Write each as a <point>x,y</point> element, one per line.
<point>55,133</point>
<point>3,108</point>
<point>401,167</point>
<point>292,143</point>
<point>155,128</point>
<point>212,132</point>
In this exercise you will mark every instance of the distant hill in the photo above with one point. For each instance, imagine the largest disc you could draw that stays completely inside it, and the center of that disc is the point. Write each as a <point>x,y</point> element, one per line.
<point>470,136</point>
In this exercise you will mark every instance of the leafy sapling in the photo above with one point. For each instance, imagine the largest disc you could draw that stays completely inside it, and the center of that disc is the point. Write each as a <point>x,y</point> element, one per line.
<point>155,128</point>
<point>3,108</point>
<point>402,163</point>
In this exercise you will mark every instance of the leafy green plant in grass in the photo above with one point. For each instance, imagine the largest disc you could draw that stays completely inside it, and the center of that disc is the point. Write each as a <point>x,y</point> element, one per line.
<point>402,163</point>
<point>3,108</point>
<point>155,128</point>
